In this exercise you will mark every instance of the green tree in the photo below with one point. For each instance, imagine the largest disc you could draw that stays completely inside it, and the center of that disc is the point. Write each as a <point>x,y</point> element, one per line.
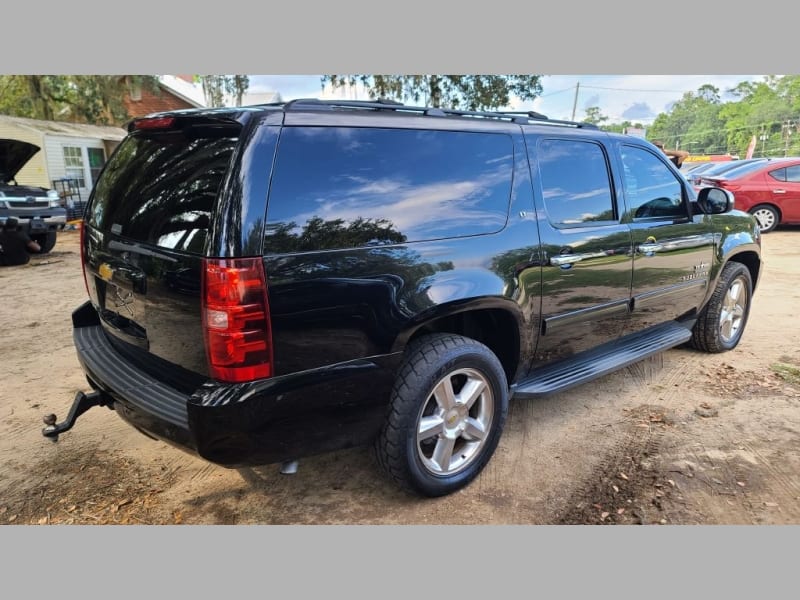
<point>465,92</point>
<point>764,109</point>
<point>95,99</point>
<point>621,127</point>
<point>217,88</point>
<point>693,123</point>
<point>594,116</point>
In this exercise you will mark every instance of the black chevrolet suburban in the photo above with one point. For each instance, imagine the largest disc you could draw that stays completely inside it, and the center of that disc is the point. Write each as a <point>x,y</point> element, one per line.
<point>270,282</point>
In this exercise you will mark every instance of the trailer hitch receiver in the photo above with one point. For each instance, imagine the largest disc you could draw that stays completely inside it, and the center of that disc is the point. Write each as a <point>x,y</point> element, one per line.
<point>80,405</point>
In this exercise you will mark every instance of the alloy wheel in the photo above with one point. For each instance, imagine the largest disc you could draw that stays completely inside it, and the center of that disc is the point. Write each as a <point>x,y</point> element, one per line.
<point>454,422</point>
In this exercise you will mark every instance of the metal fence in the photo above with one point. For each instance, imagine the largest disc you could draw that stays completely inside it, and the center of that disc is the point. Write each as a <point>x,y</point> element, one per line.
<point>70,194</point>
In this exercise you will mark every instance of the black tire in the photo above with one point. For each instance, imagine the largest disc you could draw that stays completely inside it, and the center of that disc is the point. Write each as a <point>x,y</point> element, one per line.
<point>46,241</point>
<point>721,324</point>
<point>767,216</point>
<point>473,423</point>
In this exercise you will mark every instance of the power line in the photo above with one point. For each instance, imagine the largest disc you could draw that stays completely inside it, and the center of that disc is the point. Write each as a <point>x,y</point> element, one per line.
<point>570,88</point>
<point>597,87</point>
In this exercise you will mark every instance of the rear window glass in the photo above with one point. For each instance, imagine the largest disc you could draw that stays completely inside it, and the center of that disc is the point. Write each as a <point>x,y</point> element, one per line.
<point>340,187</point>
<point>742,170</point>
<point>160,189</point>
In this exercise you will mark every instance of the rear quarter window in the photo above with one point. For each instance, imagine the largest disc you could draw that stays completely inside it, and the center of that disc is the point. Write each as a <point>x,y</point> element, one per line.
<point>341,187</point>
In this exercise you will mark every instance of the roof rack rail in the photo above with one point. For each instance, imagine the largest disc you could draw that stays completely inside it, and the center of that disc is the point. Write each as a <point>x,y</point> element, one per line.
<point>531,114</point>
<point>524,117</point>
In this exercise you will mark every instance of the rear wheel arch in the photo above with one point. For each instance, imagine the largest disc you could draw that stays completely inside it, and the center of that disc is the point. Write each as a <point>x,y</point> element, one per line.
<point>497,328</point>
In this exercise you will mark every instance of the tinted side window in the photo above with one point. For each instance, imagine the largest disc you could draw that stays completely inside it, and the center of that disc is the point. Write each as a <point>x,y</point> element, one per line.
<point>575,183</point>
<point>340,187</point>
<point>778,174</point>
<point>793,173</point>
<point>651,189</point>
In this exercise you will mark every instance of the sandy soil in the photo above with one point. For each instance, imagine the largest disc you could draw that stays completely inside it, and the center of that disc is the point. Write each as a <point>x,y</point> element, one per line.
<point>681,438</point>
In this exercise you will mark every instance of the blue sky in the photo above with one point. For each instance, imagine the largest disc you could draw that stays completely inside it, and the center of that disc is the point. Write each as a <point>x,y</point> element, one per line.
<point>620,97</point>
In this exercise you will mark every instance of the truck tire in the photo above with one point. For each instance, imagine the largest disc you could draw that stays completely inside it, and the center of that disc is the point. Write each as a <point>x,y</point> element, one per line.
<point>447,411</point>
<point>46,240</point>
<point>721,324</point>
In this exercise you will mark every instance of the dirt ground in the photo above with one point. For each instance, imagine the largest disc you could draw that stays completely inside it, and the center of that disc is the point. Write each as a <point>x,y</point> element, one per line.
<point>682,438</point>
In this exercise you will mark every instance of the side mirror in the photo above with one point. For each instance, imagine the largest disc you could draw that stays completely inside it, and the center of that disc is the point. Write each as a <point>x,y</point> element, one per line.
<point>714,200</point>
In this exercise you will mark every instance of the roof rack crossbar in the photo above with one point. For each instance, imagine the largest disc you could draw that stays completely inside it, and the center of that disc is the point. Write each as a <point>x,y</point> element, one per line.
<point>523,117</point>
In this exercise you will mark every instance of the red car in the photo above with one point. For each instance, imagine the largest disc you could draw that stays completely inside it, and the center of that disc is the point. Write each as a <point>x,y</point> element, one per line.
<point>770,192</point>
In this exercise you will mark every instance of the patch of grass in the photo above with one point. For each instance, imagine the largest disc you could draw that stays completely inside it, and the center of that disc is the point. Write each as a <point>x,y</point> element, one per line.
<point>788,373</point>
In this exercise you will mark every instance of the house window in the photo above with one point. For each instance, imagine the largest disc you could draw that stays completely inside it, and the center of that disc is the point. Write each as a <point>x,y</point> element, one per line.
<point>73,165</point>
<point>96,161</point>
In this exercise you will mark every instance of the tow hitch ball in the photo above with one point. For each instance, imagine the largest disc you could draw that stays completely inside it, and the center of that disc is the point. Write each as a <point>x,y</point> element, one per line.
<point>80,405</point>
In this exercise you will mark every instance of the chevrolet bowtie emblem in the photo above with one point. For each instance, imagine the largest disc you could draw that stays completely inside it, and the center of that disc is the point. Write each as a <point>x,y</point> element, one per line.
<point>106,272</point>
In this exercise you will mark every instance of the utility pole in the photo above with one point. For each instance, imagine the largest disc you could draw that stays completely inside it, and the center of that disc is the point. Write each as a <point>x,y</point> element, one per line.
<point>575,103</point>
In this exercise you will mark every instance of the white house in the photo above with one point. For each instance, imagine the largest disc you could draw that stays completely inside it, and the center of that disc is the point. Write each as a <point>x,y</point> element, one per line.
<point>67,150</point>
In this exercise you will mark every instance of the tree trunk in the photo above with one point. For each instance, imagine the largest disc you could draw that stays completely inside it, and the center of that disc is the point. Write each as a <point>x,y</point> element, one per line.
<point>41,106</point>
<point>435,93</point>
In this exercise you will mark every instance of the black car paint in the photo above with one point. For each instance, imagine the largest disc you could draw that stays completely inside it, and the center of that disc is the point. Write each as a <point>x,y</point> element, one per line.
<point>341,318</point>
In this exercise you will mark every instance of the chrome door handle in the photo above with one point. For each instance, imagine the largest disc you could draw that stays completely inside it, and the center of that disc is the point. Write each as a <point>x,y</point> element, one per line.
<point>650,247</point>
<point>778,191</point>
<point>565,259</point>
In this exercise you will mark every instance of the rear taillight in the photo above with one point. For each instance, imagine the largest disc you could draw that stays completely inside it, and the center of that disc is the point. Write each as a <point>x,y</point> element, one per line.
<point>236,321</point>
<point>83,256</point>
<point>727,185</point>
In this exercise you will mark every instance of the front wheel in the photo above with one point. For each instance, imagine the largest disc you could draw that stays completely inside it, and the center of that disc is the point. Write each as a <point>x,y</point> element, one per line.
<point>767,217</point>
<point>721,324</point>
<point>46,241</point>
<point>448,407</point>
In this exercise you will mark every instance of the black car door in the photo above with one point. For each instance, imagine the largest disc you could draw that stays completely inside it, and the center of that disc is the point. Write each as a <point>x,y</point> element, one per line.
<point>673,249</point>
<point>586,276</point>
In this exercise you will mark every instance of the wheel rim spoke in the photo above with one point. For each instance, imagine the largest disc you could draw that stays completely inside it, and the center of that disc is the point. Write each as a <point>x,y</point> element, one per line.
<point>471,392</point>
<point>445,397</point>
<point>475,430</point>
<point>430,427</point>
<point>726,328</point>
<point>443,453</point>
<point>736,292</point>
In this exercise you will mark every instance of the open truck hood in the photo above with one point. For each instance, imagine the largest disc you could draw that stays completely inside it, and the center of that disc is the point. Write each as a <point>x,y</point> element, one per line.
<point>13,156</point>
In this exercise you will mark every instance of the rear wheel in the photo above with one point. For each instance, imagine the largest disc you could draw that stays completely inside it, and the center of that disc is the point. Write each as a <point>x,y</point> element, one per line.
<point>767,217</point>
<point>46,240</point>
<point>448,408</point>
<point>721,325</point>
